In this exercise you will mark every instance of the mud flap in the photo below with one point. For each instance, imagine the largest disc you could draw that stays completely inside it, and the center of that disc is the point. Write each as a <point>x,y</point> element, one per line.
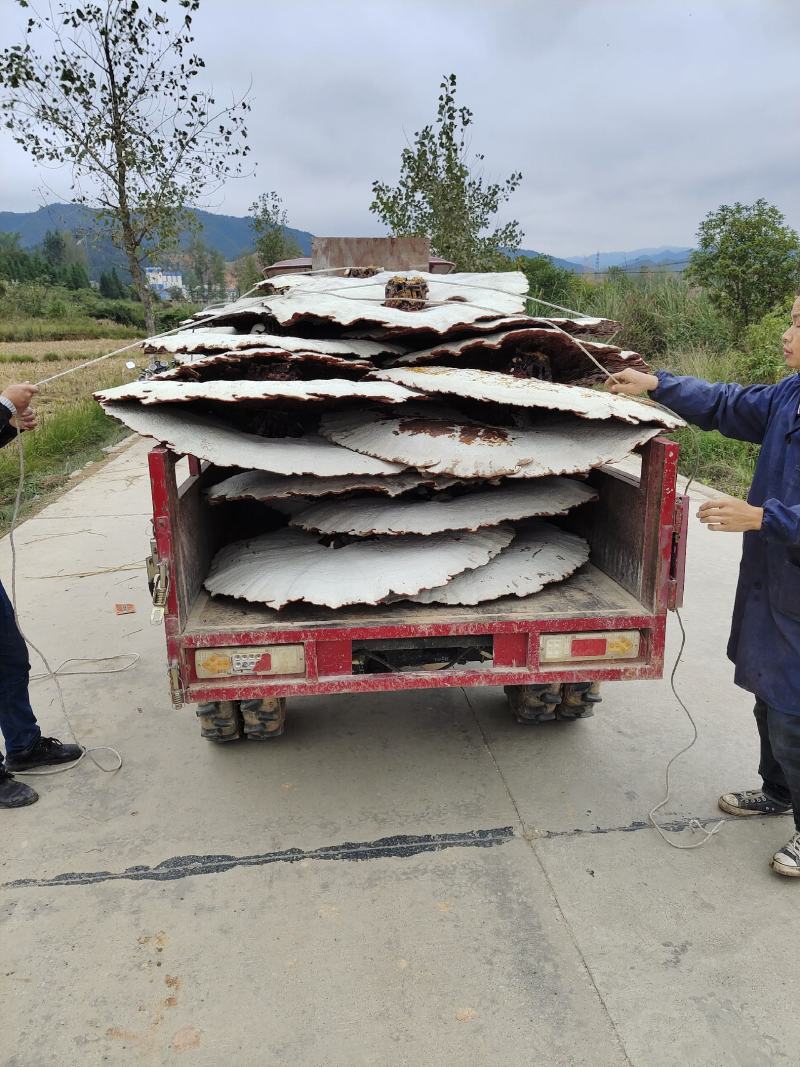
<point>264,719</point>
<point>220,720</point>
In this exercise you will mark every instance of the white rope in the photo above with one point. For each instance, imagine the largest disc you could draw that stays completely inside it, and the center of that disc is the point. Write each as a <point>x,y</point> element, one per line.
<point>53,675</point>
<point>694,824</point>
<point>108,355</point>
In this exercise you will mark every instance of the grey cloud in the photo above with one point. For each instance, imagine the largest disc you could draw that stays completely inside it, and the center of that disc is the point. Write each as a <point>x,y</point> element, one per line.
<point>630,120</point>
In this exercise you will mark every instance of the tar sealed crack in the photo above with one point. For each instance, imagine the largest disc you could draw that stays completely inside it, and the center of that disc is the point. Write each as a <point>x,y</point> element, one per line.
<point>399,847</point>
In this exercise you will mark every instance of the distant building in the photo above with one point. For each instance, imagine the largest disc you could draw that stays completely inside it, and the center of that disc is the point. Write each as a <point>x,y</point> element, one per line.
<point>162,282</point>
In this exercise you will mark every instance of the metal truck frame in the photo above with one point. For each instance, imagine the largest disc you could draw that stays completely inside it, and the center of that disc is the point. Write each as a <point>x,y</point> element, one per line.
<point>238,661</point>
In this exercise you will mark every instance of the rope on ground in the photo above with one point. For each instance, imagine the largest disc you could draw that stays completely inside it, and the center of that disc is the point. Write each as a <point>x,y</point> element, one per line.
<point>137,566</point>
<point>694,824</point>
<point>50,673</point>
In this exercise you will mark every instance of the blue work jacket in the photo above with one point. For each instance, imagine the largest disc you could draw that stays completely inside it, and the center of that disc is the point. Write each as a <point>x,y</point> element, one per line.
<point>765,632</point>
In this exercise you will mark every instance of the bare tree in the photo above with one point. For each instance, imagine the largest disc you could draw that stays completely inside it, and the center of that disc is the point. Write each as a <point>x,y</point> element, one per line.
<point>108,89</point>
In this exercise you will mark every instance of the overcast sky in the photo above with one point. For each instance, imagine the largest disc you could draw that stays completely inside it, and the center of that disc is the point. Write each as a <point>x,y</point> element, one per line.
<point>630,119</point>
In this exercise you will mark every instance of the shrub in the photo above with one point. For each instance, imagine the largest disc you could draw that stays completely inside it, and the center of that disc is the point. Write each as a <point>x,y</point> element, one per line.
<point>658,312</point>
<point>121,311</point>
<point>170,317</point>
<point>761,358</point>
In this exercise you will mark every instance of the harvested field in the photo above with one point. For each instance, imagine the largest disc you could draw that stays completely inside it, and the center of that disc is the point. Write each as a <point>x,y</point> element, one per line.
<point>35,360</point>
<point>73,428</point>
<point>49,351</point>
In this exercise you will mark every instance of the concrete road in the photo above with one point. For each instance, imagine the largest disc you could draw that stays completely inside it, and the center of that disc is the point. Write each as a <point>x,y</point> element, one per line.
<point>410,879</point>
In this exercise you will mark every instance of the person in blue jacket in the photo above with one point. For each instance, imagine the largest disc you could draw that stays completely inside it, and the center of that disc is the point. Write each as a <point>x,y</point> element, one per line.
<point>25,746</point>
<point>765,632</point>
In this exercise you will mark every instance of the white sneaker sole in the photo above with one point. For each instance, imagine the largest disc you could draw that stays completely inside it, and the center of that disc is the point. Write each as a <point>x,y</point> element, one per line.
<point>784,869</point>
<point>733,809</point>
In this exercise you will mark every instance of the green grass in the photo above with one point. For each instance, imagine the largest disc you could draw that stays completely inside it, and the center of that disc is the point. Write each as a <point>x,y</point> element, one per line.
<point>40,329</point>
<point>723,464</point>
<point>46,357</point>
<point>65,441</point>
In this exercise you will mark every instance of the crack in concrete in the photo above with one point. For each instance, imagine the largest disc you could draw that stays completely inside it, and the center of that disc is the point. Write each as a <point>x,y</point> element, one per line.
<point>638,824</point>
<point>400,846</point>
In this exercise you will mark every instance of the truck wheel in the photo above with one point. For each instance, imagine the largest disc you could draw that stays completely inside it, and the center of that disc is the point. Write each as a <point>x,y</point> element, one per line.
<point>264,719</point>
<point>533,703</point>
<point>578,701</point>
<point>220,720</point>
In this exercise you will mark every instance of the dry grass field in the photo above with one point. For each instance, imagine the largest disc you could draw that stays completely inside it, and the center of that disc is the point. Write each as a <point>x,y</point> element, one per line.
<point>73,429</point>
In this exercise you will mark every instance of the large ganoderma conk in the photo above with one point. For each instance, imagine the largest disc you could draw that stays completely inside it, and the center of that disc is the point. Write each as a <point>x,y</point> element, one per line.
<point>429,448</point>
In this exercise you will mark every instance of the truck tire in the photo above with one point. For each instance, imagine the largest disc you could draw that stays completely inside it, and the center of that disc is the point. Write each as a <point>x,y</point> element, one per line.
<point>533,703</point>
<point>567,701</point>
<point>264,720</point>
<point>220,721</point>
<point>578,701</point>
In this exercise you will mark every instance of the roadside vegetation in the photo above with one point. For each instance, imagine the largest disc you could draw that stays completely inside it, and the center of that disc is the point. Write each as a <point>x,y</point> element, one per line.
<point>51,319</point>
<point>677,326</point>
<point>73,429</point>
<point>38,311</point>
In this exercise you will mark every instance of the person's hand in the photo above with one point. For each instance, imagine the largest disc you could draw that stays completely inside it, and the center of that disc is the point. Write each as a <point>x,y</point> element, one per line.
<point>632,382</point>
<point>730,516</point>
<point>20,394</point>
<point>26,420</point>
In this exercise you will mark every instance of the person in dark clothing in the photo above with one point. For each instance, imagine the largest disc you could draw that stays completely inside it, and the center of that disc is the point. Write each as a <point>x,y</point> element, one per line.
<point>25,746</point>
<point>765,632</point>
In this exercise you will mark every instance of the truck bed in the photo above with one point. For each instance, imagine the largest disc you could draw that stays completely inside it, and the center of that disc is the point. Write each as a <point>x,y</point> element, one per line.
<point>635,533</point>
<point>589,592</point>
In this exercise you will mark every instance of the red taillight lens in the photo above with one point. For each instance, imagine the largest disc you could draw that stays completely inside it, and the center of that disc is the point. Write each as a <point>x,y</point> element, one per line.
<point>588,646</point>
<point>605,645</point>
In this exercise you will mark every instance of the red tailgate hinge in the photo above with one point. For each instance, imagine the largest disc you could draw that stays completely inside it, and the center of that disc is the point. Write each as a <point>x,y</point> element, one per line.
<point>677,560</point>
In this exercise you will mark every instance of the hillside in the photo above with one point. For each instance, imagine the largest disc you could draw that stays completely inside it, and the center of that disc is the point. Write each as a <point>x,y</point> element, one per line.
<point>229,234</point>
<point>635,259</point>
<point>565,264</point>
<point>232,235</point>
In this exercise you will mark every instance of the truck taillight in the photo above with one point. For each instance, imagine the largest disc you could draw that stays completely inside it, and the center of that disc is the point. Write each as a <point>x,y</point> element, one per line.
<point>249,660</point>
<point>614,644</point>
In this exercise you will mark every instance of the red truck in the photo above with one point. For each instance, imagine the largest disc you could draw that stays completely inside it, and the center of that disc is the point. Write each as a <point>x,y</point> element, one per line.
<point>239,661</point>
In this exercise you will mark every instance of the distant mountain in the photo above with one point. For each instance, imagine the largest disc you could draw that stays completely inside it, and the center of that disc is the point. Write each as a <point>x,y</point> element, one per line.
<point>566,264</point>
<point>634,259</point>
<point>229,234</point>
<point>232,235</point>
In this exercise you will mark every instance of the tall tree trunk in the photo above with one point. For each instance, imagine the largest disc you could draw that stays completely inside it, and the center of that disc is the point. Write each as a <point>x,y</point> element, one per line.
<point>124,214</point>
<point>145,293</point>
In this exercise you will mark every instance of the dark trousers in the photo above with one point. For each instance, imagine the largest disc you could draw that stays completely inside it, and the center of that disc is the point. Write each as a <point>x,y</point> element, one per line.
<point>17,721</point>
<point>780,755</point>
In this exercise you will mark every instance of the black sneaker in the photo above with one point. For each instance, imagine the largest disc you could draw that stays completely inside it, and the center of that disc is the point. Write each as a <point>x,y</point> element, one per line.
<point>787,859</point>
<point>752,802</point>
<point>14,794</point>
<point>44,751</point>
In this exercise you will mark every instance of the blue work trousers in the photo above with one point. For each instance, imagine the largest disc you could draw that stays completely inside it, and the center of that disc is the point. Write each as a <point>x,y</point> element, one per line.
<point>780,755</point>
<point>17,721</point>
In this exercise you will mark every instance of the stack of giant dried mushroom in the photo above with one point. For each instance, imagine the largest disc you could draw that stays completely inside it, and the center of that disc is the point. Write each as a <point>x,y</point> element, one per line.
<point>406,437</point>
